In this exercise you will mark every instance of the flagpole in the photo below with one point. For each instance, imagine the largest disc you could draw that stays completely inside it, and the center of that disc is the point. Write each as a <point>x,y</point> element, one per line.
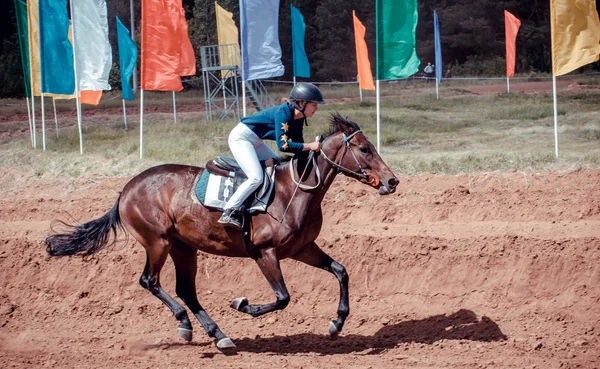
<point>55,118</point>
<point>437,88</point>
<point>244,97</point>
<point>79,124</point>
<point>294,80</point>
<point>141,123</point>
<point>377,70</point>
<point>29,116</point>
<point>359,89</point>
<point>125,115</point>
<point>555,116</point>
<point>224,94</point>
<point>133,36</point>
<point>378,119</point>
<point>507,85</point>
<point>43,119</point>
<point>174,109</point>
<point>33,119</point>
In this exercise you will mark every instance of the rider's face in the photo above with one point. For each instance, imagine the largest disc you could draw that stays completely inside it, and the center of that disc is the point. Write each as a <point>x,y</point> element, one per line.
<point>311,109</point>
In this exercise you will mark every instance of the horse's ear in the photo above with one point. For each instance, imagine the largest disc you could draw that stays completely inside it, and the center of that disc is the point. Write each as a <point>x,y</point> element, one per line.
<point>342,124</point>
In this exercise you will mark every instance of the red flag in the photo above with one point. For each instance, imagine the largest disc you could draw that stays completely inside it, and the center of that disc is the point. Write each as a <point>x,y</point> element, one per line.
<point>511,26</point>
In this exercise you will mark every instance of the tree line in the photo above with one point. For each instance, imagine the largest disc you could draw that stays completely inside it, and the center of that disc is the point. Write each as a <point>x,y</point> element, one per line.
<point>472,36</point>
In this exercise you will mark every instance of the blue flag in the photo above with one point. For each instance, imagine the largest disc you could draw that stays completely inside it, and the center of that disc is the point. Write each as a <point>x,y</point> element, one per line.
<point>128,54</point>
<point>56,51</point>
<point>438,47</point>
<point>301,65</point>
<point>261,53</point>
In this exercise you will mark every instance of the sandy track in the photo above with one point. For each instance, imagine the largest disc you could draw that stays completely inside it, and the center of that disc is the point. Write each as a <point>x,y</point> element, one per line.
<point>494,270</point>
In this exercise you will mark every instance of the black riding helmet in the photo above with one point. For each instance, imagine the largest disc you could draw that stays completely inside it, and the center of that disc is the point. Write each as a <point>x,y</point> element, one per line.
<point>306,92</point>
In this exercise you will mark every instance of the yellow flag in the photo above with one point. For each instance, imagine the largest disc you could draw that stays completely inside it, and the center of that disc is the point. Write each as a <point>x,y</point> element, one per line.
<point>34,46</point>
<point>227,34</point>
<point>575,30</point>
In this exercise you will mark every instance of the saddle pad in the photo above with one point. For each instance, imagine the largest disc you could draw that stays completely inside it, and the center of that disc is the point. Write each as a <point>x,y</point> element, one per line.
<point>214,191</point>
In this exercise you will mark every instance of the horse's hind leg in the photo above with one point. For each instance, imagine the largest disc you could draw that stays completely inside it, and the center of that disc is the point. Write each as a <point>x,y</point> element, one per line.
<point>311,254</point>
<point>156,255</point>
<point>185,259</point>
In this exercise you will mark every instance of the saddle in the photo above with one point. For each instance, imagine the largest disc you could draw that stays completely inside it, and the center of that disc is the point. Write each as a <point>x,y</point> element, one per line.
<point>223,176</point>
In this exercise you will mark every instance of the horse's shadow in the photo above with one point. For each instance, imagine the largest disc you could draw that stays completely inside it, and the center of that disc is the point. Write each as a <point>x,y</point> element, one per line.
<point>462,325</point>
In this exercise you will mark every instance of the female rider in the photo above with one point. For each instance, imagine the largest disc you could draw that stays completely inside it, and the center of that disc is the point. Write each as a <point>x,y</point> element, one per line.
<point>283,124</point>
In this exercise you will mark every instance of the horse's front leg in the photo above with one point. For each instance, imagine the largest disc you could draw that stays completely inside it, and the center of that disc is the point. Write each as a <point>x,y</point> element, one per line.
<point>269,266</point>
<point>311,254</point>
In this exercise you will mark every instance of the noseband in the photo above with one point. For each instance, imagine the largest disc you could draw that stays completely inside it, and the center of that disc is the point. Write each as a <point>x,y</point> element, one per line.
<point>371,179</point>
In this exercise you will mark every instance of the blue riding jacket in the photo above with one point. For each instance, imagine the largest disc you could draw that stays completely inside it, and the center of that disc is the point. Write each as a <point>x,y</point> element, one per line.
<point>278,124</point>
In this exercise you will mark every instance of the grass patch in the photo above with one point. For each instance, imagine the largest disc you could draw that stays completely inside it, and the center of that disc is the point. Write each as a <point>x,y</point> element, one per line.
<point>419,134</point>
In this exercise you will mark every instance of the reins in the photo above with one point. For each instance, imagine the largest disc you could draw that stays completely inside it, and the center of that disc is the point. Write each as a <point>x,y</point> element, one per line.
<point>311,157</point>
<point>373,180</point>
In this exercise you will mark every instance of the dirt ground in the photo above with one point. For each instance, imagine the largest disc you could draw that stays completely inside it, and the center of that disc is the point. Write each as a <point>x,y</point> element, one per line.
<point>492,270</point>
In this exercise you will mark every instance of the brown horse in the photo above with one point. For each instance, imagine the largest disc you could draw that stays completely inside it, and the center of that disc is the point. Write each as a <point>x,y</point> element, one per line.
<point>156,207</point>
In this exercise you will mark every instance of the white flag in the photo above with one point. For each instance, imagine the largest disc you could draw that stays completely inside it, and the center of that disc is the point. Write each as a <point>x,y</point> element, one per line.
<point>261,53</point>
<point>93,55</point>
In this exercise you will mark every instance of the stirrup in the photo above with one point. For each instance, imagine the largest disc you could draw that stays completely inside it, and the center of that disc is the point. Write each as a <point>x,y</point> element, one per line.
<point>229,219</point>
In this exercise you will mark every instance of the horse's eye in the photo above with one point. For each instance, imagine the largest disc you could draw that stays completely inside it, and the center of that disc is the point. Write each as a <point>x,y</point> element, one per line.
<point>364,149</point>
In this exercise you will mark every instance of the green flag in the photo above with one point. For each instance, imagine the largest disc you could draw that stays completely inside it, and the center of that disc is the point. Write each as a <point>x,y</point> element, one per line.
<point>21,14</point>
<point>396,22</point>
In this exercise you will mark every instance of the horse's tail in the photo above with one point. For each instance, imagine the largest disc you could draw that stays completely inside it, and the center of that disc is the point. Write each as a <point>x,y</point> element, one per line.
<point>89,238</point>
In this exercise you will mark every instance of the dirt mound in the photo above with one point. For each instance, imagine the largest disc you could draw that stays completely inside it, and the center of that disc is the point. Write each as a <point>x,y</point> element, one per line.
<point>470,271</point>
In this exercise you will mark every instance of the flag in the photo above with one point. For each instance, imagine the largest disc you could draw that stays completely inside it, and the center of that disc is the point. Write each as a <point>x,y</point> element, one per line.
<point>128,54</point>
<point>188,59</point>
<point>396,22</point>
<point>511,27</point>
<point>438,47</point>
<point>93,54</point>
<point>21,14</point>
<point>161,46</point>
<point>227,36</point>
<point>365,77</point>
<point>56,52</point>
<point>575,31</point>
<point>261,53</point>
<point>33,27</point>
<point>90,97</point>
<point>301,65</point>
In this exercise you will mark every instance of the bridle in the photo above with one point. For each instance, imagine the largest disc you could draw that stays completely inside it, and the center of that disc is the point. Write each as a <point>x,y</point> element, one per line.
<point>373,180</point>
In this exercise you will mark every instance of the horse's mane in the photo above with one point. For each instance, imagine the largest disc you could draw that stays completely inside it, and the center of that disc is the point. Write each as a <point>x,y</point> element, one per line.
<point>336,121</point>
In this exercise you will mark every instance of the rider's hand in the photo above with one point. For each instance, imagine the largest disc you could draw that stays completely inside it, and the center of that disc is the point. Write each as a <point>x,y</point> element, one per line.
<point>312,146</point>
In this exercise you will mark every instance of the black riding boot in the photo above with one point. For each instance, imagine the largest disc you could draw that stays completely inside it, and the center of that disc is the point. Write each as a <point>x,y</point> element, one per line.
<point>231,218</point>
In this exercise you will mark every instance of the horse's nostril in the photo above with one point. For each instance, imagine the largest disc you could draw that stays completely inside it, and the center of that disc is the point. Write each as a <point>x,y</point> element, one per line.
<point>393,182</point>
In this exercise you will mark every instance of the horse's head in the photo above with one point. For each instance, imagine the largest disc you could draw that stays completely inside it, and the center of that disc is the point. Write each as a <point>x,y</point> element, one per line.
<point>350,152</point>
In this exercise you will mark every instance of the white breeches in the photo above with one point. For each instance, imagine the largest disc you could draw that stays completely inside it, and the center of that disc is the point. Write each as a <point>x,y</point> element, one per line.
<point>248,149</point>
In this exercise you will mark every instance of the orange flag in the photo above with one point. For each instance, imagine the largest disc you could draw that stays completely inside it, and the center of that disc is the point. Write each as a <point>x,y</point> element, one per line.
<point>161,45</point>
<point>511,27</point>
<point>365,77</point>
<point>90,97</point>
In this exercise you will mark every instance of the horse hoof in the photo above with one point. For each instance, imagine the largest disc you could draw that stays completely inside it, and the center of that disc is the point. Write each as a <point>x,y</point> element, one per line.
<point>239,303</point>
<point>333,331</point>
<point>226,346</point>
<point>185,333</point>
